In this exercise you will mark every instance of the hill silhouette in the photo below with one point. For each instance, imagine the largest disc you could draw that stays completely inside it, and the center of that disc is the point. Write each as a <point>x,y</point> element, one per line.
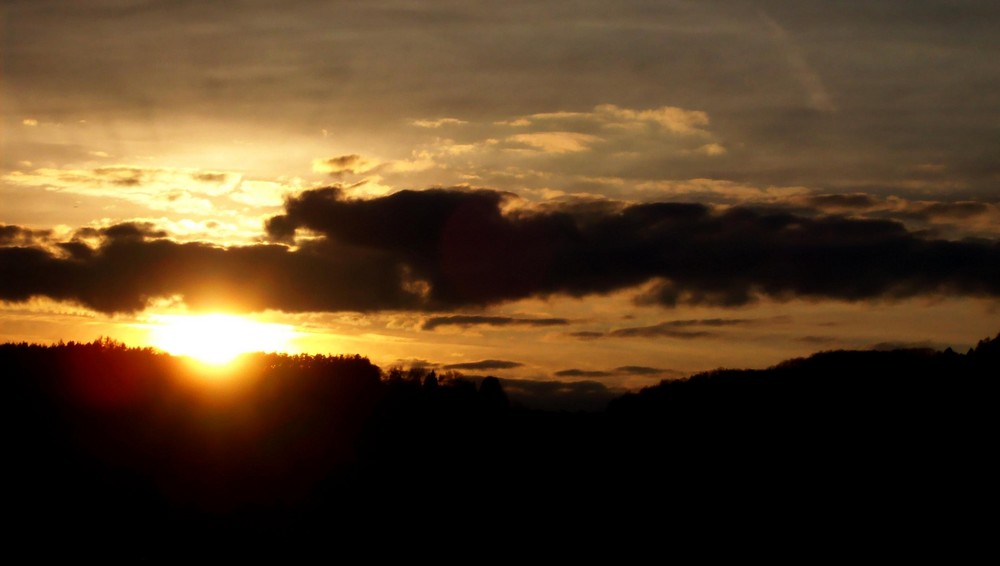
<point>103,437</point>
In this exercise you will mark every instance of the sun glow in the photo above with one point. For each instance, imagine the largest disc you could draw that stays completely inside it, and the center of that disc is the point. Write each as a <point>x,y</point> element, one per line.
<point>217,338</point>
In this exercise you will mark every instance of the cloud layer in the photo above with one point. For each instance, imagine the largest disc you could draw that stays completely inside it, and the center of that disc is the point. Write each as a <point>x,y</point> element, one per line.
<point>446,249</point>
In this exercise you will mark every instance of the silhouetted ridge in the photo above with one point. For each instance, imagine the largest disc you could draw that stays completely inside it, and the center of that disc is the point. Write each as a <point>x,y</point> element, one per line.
<point>103,436</point>
<point>862,416</point>
<point>852,377</point>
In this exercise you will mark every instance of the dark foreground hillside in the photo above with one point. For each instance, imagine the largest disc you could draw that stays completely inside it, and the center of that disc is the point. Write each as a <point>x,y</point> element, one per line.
<point>103,438</point>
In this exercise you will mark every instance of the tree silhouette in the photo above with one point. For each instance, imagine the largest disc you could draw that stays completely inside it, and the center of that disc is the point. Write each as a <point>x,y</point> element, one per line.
<point>101,436</point>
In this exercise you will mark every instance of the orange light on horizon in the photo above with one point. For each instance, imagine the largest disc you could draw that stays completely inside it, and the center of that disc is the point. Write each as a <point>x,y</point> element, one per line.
<point>217,339</point>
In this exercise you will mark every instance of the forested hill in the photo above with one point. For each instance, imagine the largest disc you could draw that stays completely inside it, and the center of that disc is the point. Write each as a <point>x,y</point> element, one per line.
<point>835,381</point>
<point>858,415</point>
<point>103,436</point>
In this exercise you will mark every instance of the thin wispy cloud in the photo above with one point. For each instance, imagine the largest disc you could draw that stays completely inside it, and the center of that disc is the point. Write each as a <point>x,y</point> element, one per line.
<point>479,320</point>
<point>483,365</point>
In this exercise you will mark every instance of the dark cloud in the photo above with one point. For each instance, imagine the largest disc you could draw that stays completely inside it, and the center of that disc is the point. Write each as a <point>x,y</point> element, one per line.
<point>485,365</point>
<point>715,322</point>
<point>670,329</point>
<point>847,200</point>
<point>128,270</point>
<point>122,176</point>
<point>952,210</point>
<point>644,370</point>
<point>659,331</point>
<point>622,370</point>
<point>469,252</point>
<point>677,328</point>
<point>210,177</point>
<point>445,249</point>
<point>416,363</point>
<point>336,166</point>
<point>583,373</point>
<point>133,231</point>
<point>19,236</point>
<point>473,320</point>
<point>586,335</point>
<point>913,213</point>
<point>121,231</point>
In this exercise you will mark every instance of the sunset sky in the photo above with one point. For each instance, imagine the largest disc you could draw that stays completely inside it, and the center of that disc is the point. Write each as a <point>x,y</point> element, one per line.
<point>614,192</point>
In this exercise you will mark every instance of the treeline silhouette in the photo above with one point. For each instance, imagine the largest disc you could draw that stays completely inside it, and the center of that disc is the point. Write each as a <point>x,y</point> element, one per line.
<point>103,436</point>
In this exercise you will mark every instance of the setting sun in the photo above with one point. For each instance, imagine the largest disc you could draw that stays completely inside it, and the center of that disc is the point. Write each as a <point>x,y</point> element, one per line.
<point>217,338</point>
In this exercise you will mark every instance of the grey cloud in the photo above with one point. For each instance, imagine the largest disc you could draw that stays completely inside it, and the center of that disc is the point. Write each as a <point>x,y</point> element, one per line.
<point>645,370</point>
<point>485,365</point>
<point>20,236</point>
<point>658,331</point>
<point>337,166</point>
<point>859,201</point>
<point>416,363</point>
<point>953,219</point>
<point>474,320</point>
<point>622,370</point>
<point>586,334</point>
<point>206,177</point>
<point>122,176</point>
<point>133,230</point>
<point>683,329</point>
<point>583,373</point>
<point>953,210</point>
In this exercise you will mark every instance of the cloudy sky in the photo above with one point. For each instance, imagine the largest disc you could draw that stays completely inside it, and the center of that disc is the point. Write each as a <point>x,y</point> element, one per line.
<point>612,192</point>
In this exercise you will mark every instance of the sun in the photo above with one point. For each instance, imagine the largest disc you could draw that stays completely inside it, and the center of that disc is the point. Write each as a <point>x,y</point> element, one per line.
<point>217,338</point>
